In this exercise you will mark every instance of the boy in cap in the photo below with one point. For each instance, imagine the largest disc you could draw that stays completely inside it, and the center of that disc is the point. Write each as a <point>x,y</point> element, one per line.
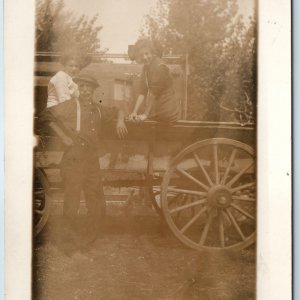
<point>78,123</point>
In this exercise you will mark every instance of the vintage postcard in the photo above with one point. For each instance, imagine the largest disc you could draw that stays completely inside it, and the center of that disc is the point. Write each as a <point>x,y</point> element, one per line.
<point>147,149</point>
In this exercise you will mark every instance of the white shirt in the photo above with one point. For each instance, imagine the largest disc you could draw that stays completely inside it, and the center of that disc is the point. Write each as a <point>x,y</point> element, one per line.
<point>61,87</point>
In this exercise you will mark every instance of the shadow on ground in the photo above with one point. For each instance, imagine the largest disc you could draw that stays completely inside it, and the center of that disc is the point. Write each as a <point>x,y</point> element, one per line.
<point>136,257</point>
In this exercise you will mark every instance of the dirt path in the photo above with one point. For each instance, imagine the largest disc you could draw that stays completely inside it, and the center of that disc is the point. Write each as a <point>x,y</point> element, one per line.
<point>137,258</point>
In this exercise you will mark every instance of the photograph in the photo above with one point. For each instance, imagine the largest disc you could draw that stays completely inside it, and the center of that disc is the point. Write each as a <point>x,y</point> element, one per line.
<point>144,172</point>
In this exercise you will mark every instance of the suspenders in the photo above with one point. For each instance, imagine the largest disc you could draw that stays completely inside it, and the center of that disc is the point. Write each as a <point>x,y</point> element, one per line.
<point>99,111</point>
<point>78,115</point>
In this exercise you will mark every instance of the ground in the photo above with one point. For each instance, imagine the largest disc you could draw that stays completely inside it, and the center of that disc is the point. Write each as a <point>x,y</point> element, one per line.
<point>137,257</point>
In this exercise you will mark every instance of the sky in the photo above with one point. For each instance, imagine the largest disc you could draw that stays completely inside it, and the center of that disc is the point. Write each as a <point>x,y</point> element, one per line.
<point>122,19</point>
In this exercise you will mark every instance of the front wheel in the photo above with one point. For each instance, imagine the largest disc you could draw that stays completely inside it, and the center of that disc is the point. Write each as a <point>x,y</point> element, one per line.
<point>209,195</point>
<point>41,201</point>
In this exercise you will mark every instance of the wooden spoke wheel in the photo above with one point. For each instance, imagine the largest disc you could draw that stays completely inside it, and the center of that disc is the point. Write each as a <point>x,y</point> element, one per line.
<point>41,201</point>
<point>208,195</point>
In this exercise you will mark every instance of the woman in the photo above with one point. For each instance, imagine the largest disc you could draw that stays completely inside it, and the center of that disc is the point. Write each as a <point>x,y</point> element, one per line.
<point>61,86</point>
<point>156,85</point>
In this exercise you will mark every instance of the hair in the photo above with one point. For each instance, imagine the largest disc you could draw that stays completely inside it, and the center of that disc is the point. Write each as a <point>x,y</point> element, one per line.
<point>154,46</point>
<point>67,56</point>
<point>82,61</point>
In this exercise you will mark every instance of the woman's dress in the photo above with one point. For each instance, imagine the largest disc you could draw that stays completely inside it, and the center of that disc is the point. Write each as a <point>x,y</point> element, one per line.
<point>157,81</point>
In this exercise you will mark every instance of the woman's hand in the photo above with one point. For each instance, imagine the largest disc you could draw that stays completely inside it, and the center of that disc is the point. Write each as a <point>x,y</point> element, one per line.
<point>132,116</point>
<point>142,117</point>
<point>121,129</point>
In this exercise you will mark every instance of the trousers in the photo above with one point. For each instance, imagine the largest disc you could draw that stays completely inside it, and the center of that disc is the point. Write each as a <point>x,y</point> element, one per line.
<point>80,171</point>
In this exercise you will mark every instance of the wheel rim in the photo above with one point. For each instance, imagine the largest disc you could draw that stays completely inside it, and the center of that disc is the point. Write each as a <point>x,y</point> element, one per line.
<point>209,195</point>
<point>41,201</point>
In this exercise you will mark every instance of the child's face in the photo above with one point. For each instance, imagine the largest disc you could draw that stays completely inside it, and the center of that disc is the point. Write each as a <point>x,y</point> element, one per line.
<point>72,67</point>
<point>145,55</point>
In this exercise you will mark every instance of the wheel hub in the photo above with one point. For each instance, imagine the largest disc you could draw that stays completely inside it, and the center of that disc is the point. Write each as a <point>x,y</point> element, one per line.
<point>219,196</point>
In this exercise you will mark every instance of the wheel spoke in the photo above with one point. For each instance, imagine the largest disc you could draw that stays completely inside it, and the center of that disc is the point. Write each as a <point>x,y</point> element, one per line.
<point>206,228</point>
<point>189,192</point>
<point>221,230</point>
<point>237,176</point>
<point>37,205</point>
<point>243,199</point>
<point>39,192</point>
<point>242,211</point>
<point>187,225</point>
<point>198,161</point>
<point>39,212</point>
<point>193,204</point>
<point>191,198</point>
<point>232,157</point>
<point>183,200</point>
<point>37,199</point>
<point>189,176</point>
<point>235,224</point>
<point>216,166</point>
<point>38,202</point>
<point>241,187</point>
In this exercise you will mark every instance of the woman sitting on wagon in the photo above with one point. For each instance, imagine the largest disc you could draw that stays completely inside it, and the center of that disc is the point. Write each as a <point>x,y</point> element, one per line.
<point>61,86</point>
<point>156,84</point>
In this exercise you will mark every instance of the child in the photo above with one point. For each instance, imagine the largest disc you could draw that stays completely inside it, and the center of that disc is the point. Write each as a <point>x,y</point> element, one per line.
<point>61,86</point>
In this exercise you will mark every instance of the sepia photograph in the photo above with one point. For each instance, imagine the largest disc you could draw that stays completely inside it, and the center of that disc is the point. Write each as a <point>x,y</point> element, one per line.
<point>144,172</point>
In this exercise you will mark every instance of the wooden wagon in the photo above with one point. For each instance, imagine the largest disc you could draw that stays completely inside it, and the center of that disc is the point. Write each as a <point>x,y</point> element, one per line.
<point>201,177</point>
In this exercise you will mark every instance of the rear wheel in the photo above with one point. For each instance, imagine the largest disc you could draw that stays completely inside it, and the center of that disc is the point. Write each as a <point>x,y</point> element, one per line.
<point>209,195</point>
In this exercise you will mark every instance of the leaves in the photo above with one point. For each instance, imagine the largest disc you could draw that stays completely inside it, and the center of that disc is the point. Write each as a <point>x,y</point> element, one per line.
<point>58,30</point>
<point>221,50</point>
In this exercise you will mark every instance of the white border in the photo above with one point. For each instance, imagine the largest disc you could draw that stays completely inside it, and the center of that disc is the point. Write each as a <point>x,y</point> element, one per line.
<point>274,145</point>
<point>274,151</point>
<point>1,154</point>
<point>18,88</point>
<point>296,148</point>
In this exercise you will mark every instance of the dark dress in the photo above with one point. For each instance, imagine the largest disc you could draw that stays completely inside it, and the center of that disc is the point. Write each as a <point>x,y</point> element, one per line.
<point>157,79</point>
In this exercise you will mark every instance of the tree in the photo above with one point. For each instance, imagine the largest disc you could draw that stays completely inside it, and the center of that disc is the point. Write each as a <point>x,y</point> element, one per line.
<point>241,61</point>
<point>58,30</point>
<point>221,51</point>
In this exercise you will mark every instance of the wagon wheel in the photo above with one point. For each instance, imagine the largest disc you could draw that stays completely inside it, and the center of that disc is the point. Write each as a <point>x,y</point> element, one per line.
<point>41,201</point>
<point>209,195</point>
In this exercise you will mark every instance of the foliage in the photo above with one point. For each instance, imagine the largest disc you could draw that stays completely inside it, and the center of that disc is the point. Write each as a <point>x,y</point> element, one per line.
<point>58,30</point>
<point>221,51</point>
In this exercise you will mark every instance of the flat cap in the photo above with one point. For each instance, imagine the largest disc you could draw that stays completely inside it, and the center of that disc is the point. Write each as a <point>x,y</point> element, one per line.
<point>86,78</point>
